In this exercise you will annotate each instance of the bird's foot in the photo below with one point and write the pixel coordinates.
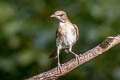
(77, 58)
(59, 68)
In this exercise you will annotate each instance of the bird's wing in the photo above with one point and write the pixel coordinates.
(54, 53)
(57, 33)
(77, 31)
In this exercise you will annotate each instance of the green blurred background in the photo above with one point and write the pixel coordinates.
(27, 37)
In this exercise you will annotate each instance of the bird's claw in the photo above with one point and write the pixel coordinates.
(59, 68)
(77, 58)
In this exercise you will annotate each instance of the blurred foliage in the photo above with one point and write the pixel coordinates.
(27, 37)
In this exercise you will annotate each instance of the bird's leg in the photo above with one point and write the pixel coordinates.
(76, 55)
(59, 65)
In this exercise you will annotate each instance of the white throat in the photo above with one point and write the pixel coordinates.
(61, 23)
(65, 24)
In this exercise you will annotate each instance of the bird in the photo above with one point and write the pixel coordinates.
(67, 34)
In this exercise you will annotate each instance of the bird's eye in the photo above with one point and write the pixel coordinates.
(61, 14)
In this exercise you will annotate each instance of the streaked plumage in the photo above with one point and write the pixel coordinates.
(66, 35)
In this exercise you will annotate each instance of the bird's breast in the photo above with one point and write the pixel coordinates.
(68, 34)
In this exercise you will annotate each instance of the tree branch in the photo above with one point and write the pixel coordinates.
(53, 74)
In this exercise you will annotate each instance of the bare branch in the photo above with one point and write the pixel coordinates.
(53, 74)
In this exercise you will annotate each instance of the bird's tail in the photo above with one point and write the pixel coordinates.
(54, 54)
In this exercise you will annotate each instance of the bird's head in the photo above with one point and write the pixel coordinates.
(60, 15)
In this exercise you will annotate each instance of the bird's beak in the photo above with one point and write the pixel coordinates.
(53, 15)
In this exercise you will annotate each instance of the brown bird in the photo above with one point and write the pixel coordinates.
(66, 35)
